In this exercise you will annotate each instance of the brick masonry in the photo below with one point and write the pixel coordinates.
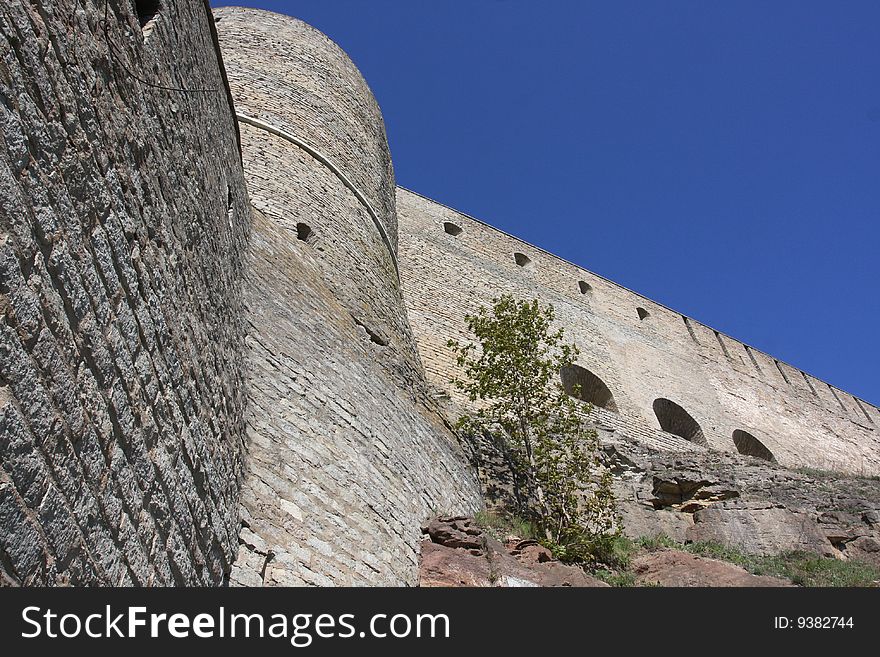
(215, 373)
(123, 223)
(348, 454)
(724, 385)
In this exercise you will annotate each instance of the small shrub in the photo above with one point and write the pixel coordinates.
(511, 374)
(656, 542)
(594, 551)
(615, 578)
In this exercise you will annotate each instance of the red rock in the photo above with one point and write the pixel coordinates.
(444, 566)
(677, 568)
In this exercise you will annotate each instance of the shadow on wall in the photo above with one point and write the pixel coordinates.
(582, 384)
(677, 421)
(747, 444)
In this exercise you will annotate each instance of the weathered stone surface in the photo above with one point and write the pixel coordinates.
(123, 231)
(760, 530)
(864, 548)
(640, 521)
(840, 527)
(729, 390)
(445, 566)
(347, 451)
(680, 569)
(460, 554)
(688, 495)
(771, 508)
(515, 565)
(529, 552)
(455, 532)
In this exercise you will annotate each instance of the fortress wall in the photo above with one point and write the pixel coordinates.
(803, 421)
(348, 454)
(293, 79)
(123, 223)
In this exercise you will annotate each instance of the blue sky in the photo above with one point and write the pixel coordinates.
(720, 158)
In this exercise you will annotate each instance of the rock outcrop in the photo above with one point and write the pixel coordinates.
(456, 552)
(744, 502)
(677, 568)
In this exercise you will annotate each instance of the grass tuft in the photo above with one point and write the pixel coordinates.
(502, 525)
(801, 568)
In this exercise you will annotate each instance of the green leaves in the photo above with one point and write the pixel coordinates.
(511, 374)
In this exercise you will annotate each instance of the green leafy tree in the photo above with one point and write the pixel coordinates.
(511, 375)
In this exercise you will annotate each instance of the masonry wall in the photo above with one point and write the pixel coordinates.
(123, 224)
(723, 384)
(348, 454)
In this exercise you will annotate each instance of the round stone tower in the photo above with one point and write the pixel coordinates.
(347, 453)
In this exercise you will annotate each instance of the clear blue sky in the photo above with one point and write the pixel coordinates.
(720, 158)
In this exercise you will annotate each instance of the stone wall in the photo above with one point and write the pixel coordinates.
(642, 351)
(164, 314)
(123, 226)
(348, 454)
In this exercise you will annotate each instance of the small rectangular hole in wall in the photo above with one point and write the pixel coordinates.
(752, 358)
(690, 329)
(723, 346)
(810, 383)
(782, 372)
(862, 409)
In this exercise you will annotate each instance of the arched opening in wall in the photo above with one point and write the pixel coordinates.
(146, 12)
(522, 260)
(585, 287)
(747, 444)
(305, 234)
(643, 314)
(452, 229)
(582, 384)
(677, 421)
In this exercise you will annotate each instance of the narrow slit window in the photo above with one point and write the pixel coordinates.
(585, 287)
(837, 397)
(862, 408)
(810, 384)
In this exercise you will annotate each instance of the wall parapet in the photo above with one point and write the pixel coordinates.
(640, 350)
(576, 269)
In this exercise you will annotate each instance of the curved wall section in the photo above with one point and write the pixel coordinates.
(348, 454)
(295, 87)
(123, 225)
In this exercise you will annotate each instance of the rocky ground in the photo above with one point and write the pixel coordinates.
(743, 506)
(755, 506)
(456, 552)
